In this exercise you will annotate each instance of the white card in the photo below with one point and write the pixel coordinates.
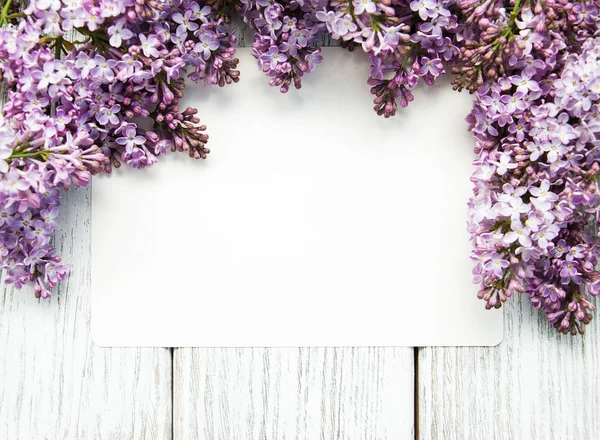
(313, 222)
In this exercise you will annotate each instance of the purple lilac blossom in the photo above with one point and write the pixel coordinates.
(66, 118)
(404, 40)
(536, 119)
(285, 33)
(534, 66)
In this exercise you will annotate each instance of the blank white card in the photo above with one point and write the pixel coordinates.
(313, 222)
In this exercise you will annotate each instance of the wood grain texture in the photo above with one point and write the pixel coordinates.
(54, 382)
(535, 385)
(291, 393)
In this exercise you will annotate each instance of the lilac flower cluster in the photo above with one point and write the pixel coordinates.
(73, 106)
(284, 36)
(536, 119)
(499, 37)
(405, 40)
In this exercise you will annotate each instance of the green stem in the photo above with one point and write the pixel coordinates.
(3, 17)
(409, 54)
(15, 15)
(506, 272)
(376, 21)
(350, 9)
(222, 12)
(22, 155)
(45, 40)
(58, 44)
(98, 40)
(513, 14)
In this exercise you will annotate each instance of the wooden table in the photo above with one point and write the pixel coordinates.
(56, 384)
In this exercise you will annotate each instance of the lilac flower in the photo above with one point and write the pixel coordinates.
(273, 57)
(525, 84)
(496, 264)
(313, 58)
(62, 119)
(510, 194)
(185, 21)
(13, 183)
(343, 25)
(543, 198)
(72, 19)
(536, 148)
(131, 139)
(519, 129)
(432, 67)
(403, 46)
(289, 24)
(554, 149)
(127, 67)
(423, 7)
(299, 37)
(515, 208)
(504, 164)
(46, 76)
(576, 252)
(149, 45)
(535, 72)
(200, 13)
(118, 32)
(540, 147)
(48, 216)
(568, 271)
(514, 102)
(518, 232)
(208, 43)
(108, 116)
(68, 118)
(361, 6)
(545, 235)
(534, 222)
(104, 68)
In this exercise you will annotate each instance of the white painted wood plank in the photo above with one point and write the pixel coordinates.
(293, 393)
(535, 385)
(54, 382)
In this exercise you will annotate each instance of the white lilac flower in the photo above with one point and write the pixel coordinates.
(543, 198)
(361, 6)
(118, 32)
(515, 208)
(518, 233)
(504, 164)
(510, 193)
(496, 264)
